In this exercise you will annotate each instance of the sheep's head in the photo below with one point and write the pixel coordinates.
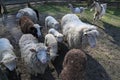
(59, 37)
(91, 34)
(38, 28)
(9, 61)
(41, 53)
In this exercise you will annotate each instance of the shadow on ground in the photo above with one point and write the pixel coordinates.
(95, 71)
(113, 31)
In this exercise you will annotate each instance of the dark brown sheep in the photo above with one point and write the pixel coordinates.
(27, 26)
(74, 65)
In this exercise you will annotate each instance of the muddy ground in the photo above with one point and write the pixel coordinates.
(103, 62)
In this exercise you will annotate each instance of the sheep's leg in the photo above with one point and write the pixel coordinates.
(95, 17)
(46, 25)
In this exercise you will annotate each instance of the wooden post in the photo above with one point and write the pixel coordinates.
(3, 6)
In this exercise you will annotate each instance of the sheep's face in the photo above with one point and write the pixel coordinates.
(41, 54)
(9, 61)
(91, 37)
(38, 28)
(59, 38)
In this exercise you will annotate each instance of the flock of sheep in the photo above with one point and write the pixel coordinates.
(37, 53)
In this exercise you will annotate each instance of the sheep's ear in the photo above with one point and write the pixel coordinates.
(33, 50)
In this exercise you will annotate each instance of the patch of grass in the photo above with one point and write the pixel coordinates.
(52, 9)
(112, 17)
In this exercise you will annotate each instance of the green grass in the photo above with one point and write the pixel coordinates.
(52, 9)
(112, 17)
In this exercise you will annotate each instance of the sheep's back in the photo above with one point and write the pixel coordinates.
(26, 39)
(69, 18)
(50, 39)
(74, 65)
(30, 13)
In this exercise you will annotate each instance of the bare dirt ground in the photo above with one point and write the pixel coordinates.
(103, 62)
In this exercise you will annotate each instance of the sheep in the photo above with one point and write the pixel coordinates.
(51, 22)
(7, 55)
(77, 10)
(34, 54)
(100, 10)
(74, 65)
(27, 26)
(51, 41)
(57, 35)
(32, 14)
(77, 33)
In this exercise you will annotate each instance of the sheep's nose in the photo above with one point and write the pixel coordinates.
(44, 61)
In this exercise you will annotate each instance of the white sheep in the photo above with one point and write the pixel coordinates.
(7, 56)
(51, 22)
(57, 35)
(34, 54)
(100, 10)
(51, 41)
(27, 12)
(79, 34)
(77, 10)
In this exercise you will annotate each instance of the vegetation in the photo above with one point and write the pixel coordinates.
(104, 60)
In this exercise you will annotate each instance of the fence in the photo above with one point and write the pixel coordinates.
(10, 2)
